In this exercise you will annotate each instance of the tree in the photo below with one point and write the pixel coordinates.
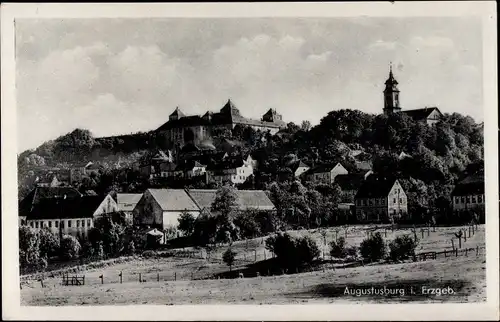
(402, 247)
(29, 247)
(247, 224)
(70, 247)
(225, 201)
(306, 125)
(186, 223)
(373, 248)
(229, 257)
(49, 243)
(337, 248)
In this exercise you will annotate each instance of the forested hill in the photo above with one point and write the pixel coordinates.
(438, 153)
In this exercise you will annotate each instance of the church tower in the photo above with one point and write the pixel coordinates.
(391, 95)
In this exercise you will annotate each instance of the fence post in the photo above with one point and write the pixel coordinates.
(452, 244)
(157, 277)
(102, 278)
(466, 252)
(477, 250)
(445, 253)
(255, 255)
(465, 235)
(41, 282)
(121, 274)
(140, 278)
(175, 276)
(422, 231)
(192, 275)
(428, 231)
(83, 280)
(456, 252)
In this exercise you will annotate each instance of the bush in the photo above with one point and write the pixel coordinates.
(29, 247)
(49, 243)
(373, 248)
(186, 223)
(228, 257)
(70, 247)
(337, 248)
(292, 252)
(403, 247)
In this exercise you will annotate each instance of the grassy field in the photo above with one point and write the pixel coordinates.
(170, 280)
(438, 240)
(465, 275)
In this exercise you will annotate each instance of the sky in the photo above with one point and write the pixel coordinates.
(118, 76)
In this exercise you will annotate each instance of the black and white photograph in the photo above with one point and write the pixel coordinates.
(307, 159)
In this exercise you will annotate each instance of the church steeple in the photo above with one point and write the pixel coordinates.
(391, 94)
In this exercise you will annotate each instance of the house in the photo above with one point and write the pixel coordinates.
(233, 169)
(380, 199)
(70, 216)
(191, 169)
(298, 168)
(181, 128)
(151, 163)
(468, 195)
(325, 173)
(349, 185)
(247, 199)
(126, 203)
(161, 208)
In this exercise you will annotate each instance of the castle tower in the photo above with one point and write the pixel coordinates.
(391, 95)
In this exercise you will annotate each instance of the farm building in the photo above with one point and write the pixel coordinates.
(161, 208)
(71, 216)
(247, 199)
(468, 195)
(380, 200)
(325, 173)
(127, 202)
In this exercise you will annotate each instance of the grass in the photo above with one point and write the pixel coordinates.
(170, 280)
(466, 275)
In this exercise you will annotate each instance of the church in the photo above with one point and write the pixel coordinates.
(430, 115)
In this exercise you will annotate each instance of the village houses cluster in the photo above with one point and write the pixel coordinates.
(53, 203)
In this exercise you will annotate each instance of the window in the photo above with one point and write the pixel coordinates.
(468, 199)
(50, 224)
(400, 200)
(473, 199)
(36, 224)
(394, 201)
(56, 224)
(69, 223)
(463, 199)
(78, 223)
(376, 202)
(88, 223)
(457, 200)
(479, 199)
(31, 224)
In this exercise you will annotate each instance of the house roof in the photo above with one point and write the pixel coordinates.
(188, 165)
(468, 188)
(44, 192)
(127, 201)
(298, 164)
(230, 162)
(247, 199)
(173, 199)
(352, 181)
(421, 113)
(375, 187)
(322, 168)
(83, 207)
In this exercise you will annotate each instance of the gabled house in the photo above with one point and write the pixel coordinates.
(298, 168)
(380, 199)
(233, 169)
(325, 173)
(468, 194)
(71, 216)
(126, 203)
(349, 185)
(247, 199)
(191, 169)
(161, 208)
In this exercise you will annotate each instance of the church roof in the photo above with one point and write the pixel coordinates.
(421, 113)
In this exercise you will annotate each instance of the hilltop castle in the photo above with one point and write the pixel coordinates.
(180, 128)
(430, 115)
